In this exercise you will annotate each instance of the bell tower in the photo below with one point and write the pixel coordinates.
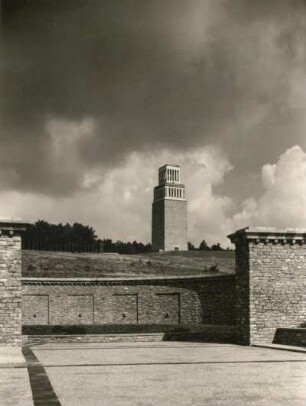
(169, 211)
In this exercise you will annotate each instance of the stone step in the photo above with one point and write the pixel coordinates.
(92, 338)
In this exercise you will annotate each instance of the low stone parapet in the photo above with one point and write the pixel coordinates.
(101, 334)
(290, 336)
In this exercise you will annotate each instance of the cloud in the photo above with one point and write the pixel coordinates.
(95, 95)
(66, 140)
(150, 75)
(119, 206)
(268, 175)
(284, 200)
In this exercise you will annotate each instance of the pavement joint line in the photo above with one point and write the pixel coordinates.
(12, 365)
(121, 348)
(174, 363)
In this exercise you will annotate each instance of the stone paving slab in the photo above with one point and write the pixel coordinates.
(168, 374)
(15, 389)
(10, 355)
(148, 353)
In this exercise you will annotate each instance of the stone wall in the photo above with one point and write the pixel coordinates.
(40, 334)
(267, 293)
(137, 301)
(10, 283)
(270, 282)
(242, 288)
(217, 301)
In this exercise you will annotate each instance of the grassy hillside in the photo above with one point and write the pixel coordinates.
(63, 264)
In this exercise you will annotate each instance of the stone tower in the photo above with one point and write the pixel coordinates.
(169, 211)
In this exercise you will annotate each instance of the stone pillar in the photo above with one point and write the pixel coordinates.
(270, 282)
(10, 282)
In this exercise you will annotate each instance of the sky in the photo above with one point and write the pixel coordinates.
(97, 94)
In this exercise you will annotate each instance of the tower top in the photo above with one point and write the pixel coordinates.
(169, 174)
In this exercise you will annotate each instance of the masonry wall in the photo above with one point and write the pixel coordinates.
(270, 282)
(242, 288)
(267, 293)
(277, 288)
(10, 289)
(217, 299)
(171, 301)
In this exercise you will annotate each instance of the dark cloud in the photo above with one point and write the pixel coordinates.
(151, 74)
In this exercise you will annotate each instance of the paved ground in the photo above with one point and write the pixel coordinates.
(145, 374)
(15, 387)
(170, 373)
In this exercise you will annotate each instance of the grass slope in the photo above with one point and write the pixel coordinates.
(63, 264)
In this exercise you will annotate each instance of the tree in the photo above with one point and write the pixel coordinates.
(203, 246)
(216, 247)
(190, 246)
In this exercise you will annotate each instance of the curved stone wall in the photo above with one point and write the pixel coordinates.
(138, 301)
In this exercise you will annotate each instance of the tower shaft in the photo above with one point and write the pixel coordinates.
(169, 211)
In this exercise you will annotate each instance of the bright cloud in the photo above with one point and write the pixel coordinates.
(283, 204)
(119, 206)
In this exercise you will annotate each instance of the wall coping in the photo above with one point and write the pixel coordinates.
(118, 281)
(12, 227)
(270, 234)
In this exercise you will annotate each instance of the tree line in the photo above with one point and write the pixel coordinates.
(79, 238)
(75, 238)
(204, 247)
